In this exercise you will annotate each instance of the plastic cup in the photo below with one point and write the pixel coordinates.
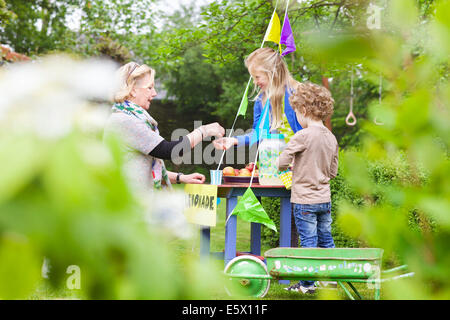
(216, 177)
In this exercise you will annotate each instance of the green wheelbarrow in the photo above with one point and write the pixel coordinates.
(250, 276)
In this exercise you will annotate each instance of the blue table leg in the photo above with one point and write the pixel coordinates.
(255, 236)
(255, 239)
(285, 222)
(285, 227)
(230, 231)
(205, 240)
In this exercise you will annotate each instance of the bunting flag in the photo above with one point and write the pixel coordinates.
(287, 37)
(244, 101)
(273, 31)
(263, 124)
(250, 209)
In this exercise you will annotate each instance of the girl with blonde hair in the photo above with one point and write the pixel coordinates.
(274, 82)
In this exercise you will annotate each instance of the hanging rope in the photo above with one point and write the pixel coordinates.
(380, 87)
(287, 7)
(229, 136)
(351, 119)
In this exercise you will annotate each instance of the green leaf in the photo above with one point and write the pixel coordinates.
(19, 267)
(21, 158)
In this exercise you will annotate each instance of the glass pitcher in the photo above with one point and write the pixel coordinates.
(269, 151)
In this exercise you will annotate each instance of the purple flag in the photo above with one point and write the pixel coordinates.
(287, 37)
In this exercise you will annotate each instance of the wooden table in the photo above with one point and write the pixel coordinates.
(231, 192)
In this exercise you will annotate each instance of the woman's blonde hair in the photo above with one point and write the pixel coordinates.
(270, 62)
(128, 75)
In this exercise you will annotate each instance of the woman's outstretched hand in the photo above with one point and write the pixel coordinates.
(193, 178)
(213, 129)
(224, 143)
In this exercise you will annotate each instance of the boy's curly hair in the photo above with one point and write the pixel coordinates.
(313, 100)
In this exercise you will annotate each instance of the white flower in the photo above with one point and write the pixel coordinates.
(45, 97)
(166, 210)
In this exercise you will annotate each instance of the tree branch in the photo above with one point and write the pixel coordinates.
(336, 17)
(320, 4)
(229, 29)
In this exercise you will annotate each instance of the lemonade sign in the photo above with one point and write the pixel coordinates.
(201, 204)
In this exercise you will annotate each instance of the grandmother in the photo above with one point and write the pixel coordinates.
(144, 148)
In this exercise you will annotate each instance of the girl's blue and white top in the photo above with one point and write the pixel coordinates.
(257, 111)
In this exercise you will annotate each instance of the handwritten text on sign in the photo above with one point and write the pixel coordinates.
(201, 204)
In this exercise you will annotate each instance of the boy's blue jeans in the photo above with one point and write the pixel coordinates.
(313, 223)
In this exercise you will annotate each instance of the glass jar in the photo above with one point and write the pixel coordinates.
(270, 149)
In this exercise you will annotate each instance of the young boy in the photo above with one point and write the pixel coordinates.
(314, 152)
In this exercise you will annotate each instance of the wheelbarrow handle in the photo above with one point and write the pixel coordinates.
(399, 268)
(406, 275)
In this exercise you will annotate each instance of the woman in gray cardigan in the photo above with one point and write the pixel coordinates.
(144, 148)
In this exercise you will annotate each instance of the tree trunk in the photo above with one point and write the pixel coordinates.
(326, 84)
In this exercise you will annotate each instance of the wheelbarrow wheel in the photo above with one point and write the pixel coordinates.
(246, 265)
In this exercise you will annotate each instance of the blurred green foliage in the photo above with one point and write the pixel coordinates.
(64, 197)
(5, 14)
(413, 110)
(73, 210)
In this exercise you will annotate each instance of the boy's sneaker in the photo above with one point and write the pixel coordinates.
(299, 288)
(294, 287)
(326, 284)
(308, 290)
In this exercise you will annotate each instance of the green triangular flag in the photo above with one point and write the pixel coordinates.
(244, 102)
(249, 209)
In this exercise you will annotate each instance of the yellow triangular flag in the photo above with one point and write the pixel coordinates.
(273, 32)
